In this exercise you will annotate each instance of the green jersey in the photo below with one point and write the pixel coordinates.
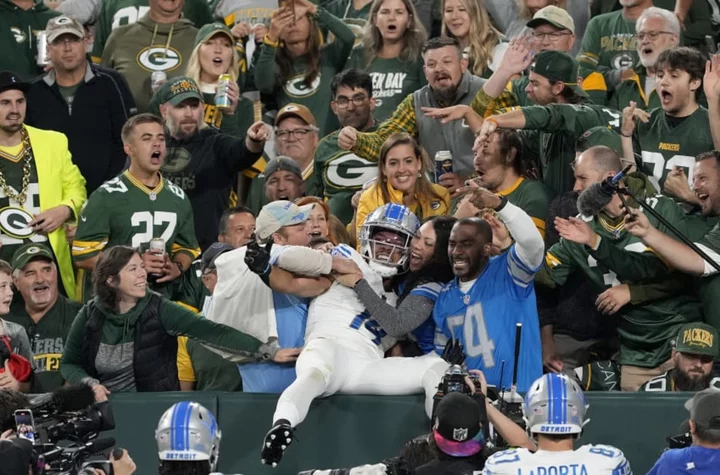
(558, 127)
(533, 197)
(341, 173)
(356, 20)
(608, 46)
(16, 210)
(645, 330)
(116, 13)
(666, 383)
(47, 340)
(392, 81)
(123, 211)
(190, 291)
(666, 142)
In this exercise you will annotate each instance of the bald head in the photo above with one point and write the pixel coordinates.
(594, 165)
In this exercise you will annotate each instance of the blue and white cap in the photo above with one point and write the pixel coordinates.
(188, 432)
(279, 214)
(555, 404)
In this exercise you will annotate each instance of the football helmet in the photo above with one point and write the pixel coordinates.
(382, 255)
(555, 404)
(188, 432)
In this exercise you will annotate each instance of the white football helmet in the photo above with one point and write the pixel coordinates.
(390, 217)
(555, 404)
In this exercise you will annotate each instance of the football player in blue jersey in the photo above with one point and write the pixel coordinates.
(491, 295)
(554, 410)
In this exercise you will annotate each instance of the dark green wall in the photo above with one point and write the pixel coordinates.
(349, 430)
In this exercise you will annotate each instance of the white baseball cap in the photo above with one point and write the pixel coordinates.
(279, 214)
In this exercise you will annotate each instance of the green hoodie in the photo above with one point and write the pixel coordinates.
(18, 31)
(144, 47)
(114, 360)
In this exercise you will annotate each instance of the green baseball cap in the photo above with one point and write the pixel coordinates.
(600, 135)
(178, 89)
(28, 252)
(212, 29)
(558, 66)
(697, 339)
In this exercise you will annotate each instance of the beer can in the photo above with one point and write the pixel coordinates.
(42, 50)
(157, 79)
(222, 99)
(443, 164)
(157, 246)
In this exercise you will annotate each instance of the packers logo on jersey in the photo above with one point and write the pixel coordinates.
(176, 160)
(349, 171)
(158, 58)
(19, 35)
(14, 222)
(623, 60)
(296, 87)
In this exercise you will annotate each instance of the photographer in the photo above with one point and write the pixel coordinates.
(703, 457)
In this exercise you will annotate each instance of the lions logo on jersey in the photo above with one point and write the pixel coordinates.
(159, 58)
(296, 86)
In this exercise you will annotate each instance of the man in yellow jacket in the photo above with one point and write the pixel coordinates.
(40, 187)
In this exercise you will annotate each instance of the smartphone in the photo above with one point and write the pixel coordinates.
(288, 4)
(25, 424)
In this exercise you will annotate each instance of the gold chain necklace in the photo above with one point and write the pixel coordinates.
(27, 156)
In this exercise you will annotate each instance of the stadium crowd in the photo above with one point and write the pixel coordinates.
(328, 196)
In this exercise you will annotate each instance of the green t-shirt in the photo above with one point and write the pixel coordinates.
(14, 216)
(116, 13)
(392, 81)
(341, 173)
(47, 340)
(663, 147)
(645, 330)
(68, 93)
(608, 46)
(123, 211)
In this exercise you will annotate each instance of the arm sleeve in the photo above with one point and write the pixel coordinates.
(562, 117)
(396, 322)
(74, 193)
(339, 50)
(234, 153)
(186, 372)
(558, 266)
(529, 247)
(84, 11)
(122, 106)
(264, 69)
(486, 106)
(182, 322)
(678, 284)
(304, 261)
(185, 240)
(71, 364)
(629, 266)
(368, 144)
(93, 229)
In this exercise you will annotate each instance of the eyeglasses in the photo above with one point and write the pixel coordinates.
(297, 133)
(652, 35)
(67, 41)
(344, 102)
(554, 36)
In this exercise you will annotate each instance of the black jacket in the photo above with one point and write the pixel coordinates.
(101, 105)
(205, 167)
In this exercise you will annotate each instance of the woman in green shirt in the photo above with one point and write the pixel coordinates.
(125, 339)
(295, 66)
(391, 54)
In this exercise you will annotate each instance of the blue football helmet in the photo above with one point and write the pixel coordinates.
(188, 432)
(555, 404)
(382, 256)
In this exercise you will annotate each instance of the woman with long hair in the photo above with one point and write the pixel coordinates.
(320, 223)
(295, 66)
(125, 339)
(468, 22)
(392, 43)
(402, 178)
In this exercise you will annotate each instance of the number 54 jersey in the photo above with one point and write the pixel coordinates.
(123, 211)
(586, 460)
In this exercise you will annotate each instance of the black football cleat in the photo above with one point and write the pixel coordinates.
(276, 441)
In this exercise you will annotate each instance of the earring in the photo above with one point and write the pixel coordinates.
(419, 175)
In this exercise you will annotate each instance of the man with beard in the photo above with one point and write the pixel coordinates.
(339, 172)
(657, 30)
(40, 188)
(200, 160)
(136, 207)
(449, 84)
(695, 351)
(668, 138)
(45, 315)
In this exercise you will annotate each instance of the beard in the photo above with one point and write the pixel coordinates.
(685, 382)
(176, 130)
(445, 97)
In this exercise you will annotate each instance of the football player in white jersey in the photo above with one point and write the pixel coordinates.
(344, 347)
(554, 410)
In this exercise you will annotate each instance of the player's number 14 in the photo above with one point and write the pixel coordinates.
(475, 334)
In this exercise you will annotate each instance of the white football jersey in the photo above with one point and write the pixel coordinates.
(586, 460)
(339, 314)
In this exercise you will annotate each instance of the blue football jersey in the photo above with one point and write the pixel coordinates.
(484, 321)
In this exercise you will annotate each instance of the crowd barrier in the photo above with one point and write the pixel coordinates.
(343, 431)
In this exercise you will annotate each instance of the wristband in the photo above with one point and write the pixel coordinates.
(503, 203)
(493, 120)
(268, 41)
